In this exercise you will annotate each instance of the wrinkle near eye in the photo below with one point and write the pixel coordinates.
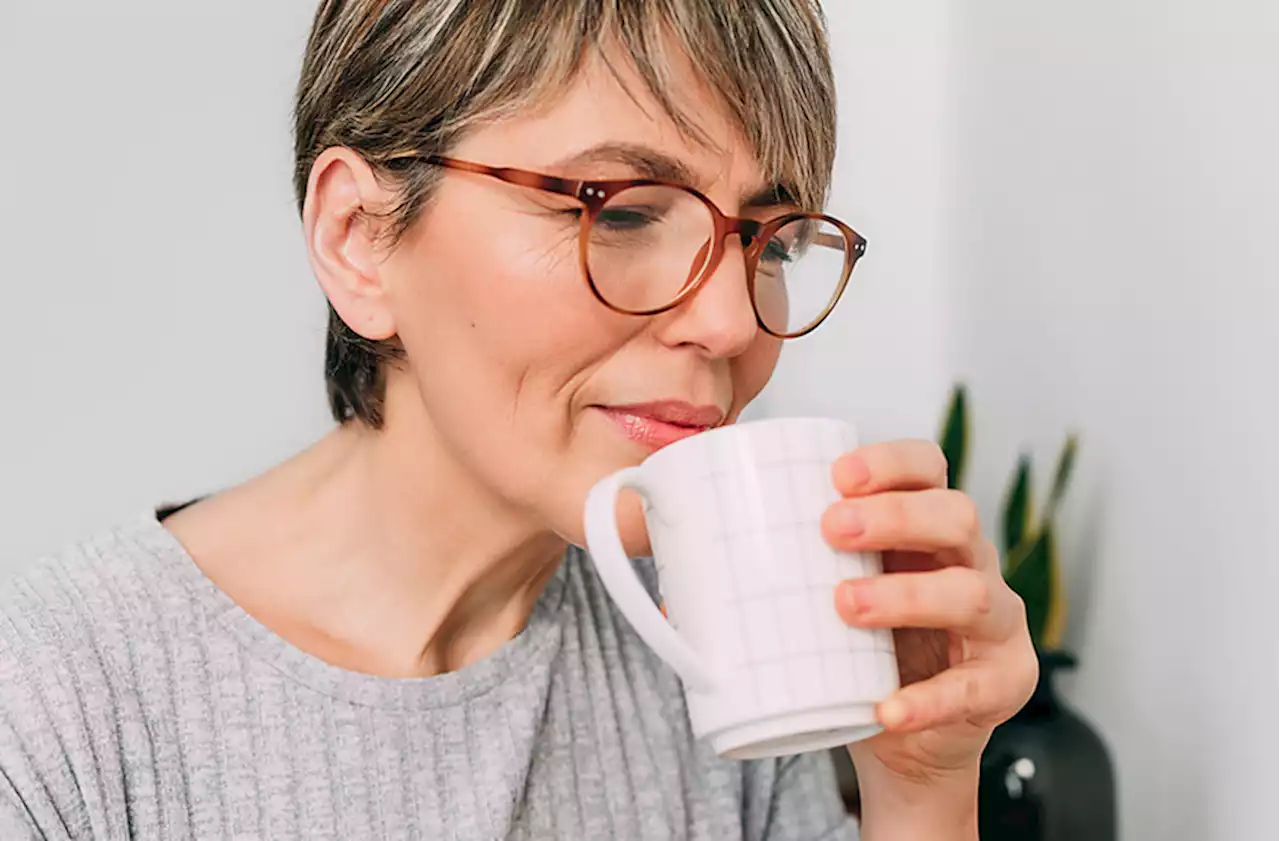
(553, 253)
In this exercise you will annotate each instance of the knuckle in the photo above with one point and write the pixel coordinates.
(1031, 676)
(1019, 605)
(980, 594)
(968, 523)
(1022, 685)
(971, 697)
(938, 469)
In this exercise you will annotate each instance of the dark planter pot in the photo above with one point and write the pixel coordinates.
(1046, 775)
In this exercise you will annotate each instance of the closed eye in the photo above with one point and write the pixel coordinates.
(626, 218)
(776, 251)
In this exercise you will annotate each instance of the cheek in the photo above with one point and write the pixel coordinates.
(491, 308)
(457, 279)
(753, 369)
(498, 337)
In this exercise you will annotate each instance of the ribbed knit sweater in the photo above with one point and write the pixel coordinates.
(138, 701)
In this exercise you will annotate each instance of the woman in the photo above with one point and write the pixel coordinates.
(393, 634)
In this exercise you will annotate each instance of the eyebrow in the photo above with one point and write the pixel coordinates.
(649, 163)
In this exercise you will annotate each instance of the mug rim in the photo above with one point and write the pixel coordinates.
(736, 426)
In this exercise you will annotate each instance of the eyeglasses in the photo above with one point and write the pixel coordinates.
(646, 246)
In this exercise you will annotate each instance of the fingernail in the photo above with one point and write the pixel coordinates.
(849, 521)
(855, 597)
(856, 473)
(893, 713)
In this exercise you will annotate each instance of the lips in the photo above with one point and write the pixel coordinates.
(656, 425)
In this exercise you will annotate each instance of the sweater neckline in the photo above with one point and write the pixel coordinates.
(532, 644)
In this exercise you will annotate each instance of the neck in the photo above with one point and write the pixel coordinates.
(379, 552)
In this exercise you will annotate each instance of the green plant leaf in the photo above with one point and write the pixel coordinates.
(1033, 579)
(954, 437)
(1015, 522)
(1055, 620)
(1061, 476)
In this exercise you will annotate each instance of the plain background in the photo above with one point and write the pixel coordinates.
(1073, 209)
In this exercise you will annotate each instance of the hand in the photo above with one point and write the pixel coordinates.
(964, 652)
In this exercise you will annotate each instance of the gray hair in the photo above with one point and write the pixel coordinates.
(383, 76)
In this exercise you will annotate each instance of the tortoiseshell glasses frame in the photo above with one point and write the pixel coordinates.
(753, 234)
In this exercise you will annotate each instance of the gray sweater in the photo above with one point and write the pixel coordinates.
(138, 701)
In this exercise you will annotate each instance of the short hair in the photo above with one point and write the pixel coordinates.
(384, 76)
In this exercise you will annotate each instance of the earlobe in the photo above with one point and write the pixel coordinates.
(342, 244)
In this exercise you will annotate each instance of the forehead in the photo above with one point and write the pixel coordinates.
(607, 107)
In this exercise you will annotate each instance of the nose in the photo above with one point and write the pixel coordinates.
(718, 318)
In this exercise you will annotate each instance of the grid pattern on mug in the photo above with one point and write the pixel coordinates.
(793, 644)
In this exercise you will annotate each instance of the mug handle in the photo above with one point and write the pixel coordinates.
(619, 578)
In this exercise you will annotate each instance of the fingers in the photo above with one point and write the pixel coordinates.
(957, 599)
(921, 521)
(981, 693)
(892, 465)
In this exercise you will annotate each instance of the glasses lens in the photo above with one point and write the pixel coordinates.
(800, 274)
(646, 245)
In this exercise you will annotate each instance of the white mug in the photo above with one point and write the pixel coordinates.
(748, 586)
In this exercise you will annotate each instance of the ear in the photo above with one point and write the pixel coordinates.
(342, 242)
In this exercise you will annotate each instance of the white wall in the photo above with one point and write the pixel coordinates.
(1113, 267)
(162, 333)
(877, 359)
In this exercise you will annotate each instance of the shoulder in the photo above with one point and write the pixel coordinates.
(93, 639)
(76, 624)
(74, 628)
(82, 593)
